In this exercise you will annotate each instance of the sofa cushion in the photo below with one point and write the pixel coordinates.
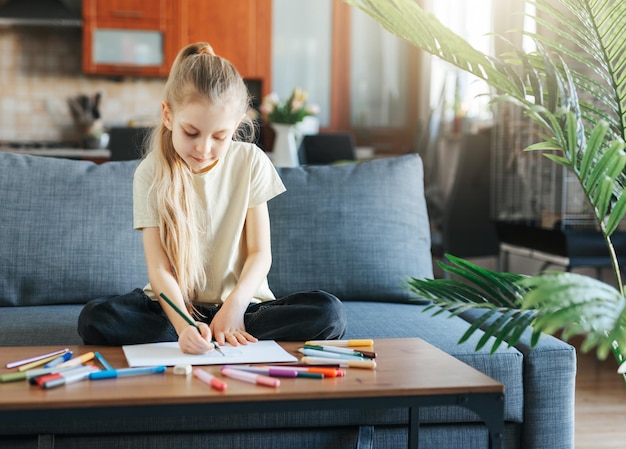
(67, 231)
(53, 325)
(355, 230)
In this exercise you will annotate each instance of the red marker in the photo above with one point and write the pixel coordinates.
(68, 377)
(209, 379)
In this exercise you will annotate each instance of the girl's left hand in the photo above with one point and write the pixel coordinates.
(227, 325)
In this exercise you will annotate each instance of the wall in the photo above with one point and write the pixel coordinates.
(40, 68)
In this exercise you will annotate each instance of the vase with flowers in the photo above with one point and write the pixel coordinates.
(283, 117)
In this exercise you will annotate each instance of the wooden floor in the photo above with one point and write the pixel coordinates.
(600, 404)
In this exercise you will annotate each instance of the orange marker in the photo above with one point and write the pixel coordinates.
(78, 360)
(326, 372)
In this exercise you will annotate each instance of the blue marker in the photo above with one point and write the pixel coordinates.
(114, 373)
(103, 361)
(60, 359)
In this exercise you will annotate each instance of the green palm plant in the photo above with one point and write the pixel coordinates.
(582, 115)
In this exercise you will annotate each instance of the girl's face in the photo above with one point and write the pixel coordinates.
(201, 132)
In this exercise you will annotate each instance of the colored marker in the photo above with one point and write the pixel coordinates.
(252, 378)
(78, 360)
(36, 358)
(188, 320)
(367, 364)
(209, 379)
(36, 363)
(266, 371)
(12, 377)
(280, 371)
(361, 342)
(325, 371)
(340, 350)
(328, 355)
(310, 375)
(33, 375)
(60, 359)
(28, 375)
(73, 375)
(103, 361)
(123, 372)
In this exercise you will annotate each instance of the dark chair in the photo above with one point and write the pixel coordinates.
(327, 148)
(467, 228)
(126, 143)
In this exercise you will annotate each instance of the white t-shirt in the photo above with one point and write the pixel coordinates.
(243, 178)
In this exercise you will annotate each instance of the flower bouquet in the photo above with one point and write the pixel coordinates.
(291, 111)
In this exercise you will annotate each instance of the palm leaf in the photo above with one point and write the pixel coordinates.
(584, 133)
(507, 325)
(498, 294)
(581, 305)
(499, 287)
(589, 34)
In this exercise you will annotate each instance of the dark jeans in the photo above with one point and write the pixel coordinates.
(134, 318)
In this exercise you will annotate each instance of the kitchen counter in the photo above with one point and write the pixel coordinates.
(70, 153)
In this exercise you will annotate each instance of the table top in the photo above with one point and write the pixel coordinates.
(405, 367)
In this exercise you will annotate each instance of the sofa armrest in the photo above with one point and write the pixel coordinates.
(549, 389)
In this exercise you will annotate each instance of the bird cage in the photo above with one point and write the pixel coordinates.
(537, 203)
(528, 187)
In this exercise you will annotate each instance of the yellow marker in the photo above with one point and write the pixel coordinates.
(40, 362)
(360, 342)
(78, 360)
(343, 363)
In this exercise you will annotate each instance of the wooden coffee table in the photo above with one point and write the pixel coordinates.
(410, 374)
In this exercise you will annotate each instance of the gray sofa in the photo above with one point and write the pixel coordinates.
(355, 230)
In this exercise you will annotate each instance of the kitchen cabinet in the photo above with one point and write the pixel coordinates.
(239, 30)
(122, 37)
(129, 37)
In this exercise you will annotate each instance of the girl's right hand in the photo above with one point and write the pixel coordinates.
(192, 342)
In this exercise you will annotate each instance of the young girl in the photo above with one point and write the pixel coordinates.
(200, 201)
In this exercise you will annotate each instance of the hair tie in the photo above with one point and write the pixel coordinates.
(202, 48)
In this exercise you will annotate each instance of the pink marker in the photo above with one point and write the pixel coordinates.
(209, 379)
(267, 371)
(252, 378)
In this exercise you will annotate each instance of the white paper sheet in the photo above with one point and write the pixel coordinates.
(169, 354)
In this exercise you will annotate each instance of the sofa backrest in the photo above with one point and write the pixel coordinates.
(66, 233)
(355, 230)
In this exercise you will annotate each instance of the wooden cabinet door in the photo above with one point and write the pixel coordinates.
(239, 30)
(132, 12)
(129, 20)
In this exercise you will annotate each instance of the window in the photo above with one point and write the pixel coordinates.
(379, 75)
(463, 94)
(362, 77)
(301, 51)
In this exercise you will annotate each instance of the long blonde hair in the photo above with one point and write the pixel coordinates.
(196, 73)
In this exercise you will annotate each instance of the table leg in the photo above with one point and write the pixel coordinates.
(490, 408)
(414, 426)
